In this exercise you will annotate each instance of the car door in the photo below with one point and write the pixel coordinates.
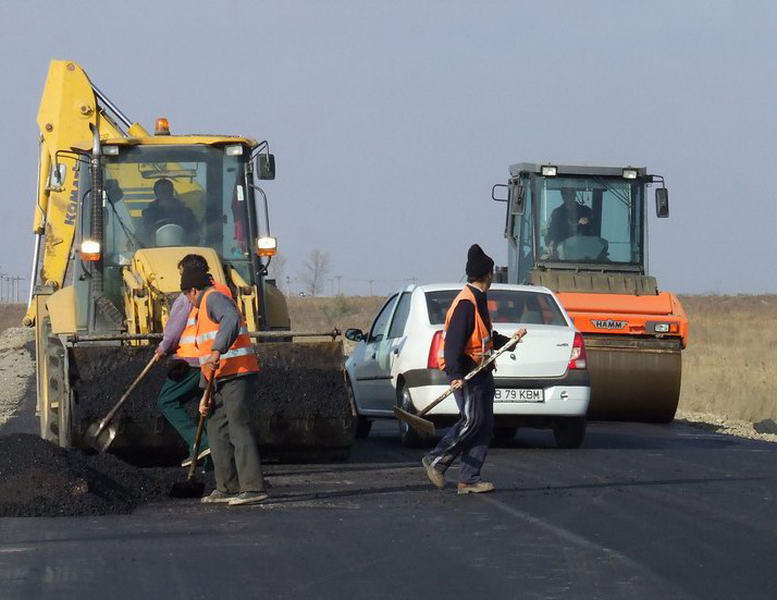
(368, 376)
(386, 353)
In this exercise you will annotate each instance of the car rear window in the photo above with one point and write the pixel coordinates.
(505, 306)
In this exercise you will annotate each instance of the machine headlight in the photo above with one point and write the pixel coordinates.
(111, 150)
(235, 150)
(662, 327)
(266, 246)
(90, 251)
(549, 170)
(629, 173)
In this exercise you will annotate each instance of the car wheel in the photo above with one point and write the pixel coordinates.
(569, 432)
(361, 425)
(408, 436)
(504, 434)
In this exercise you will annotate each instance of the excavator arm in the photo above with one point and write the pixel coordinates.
(68, 112)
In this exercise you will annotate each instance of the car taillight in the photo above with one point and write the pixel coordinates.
(434, 350)
(578, 358)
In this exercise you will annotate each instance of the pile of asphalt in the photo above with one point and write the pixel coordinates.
(40, 479)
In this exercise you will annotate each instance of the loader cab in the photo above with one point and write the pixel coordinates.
(576, 219)
(171, 195)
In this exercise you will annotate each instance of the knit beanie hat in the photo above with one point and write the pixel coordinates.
(194, 277)
(479, 264)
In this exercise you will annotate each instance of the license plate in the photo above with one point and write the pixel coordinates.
(515, 395)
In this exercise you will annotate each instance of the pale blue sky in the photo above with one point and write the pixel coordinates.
(390, 121)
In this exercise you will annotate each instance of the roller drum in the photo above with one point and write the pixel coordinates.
(634, 379)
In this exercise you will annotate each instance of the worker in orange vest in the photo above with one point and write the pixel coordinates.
(469, 339)
(227, 354)
(182, 384)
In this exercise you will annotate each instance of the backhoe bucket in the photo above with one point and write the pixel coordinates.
(301, 408)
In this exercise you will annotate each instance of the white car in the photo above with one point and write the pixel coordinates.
(544, 382)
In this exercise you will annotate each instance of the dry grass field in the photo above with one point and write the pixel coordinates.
(324, 313)
(727, 367)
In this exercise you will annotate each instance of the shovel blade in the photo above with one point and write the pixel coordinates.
(420, 424)
(191, 488)
(98, 439)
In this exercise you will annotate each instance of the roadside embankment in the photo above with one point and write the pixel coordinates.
(17, 369)
(728, 374)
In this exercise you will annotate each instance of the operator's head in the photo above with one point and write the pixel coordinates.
(195, 261)
(164, 190)
(569, 195)
(480, 266)
(194, 279)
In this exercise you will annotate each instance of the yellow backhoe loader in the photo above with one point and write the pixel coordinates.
(105, 275)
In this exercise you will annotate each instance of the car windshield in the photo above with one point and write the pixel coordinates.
(589, 219)
(174, 196)
(504, 306)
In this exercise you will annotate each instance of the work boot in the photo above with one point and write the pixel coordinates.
(247, 498)
(479, 487)
(217, 496)
(187, 462)
(435, 476)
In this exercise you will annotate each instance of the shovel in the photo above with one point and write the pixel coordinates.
(193, 488)
(426, 427)
(100, 434)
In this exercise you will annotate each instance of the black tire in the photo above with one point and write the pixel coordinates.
(569, 432)
(363, 427)
(504, 434)
(408, 436)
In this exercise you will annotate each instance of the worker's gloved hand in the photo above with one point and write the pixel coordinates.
(457, 383)
(205, 403)
(213, 361)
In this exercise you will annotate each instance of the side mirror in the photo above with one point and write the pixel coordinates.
(498, 198)
(265, 166)
(355, 335)
(662, 202)
(517, 197)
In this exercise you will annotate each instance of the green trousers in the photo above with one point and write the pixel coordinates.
(173, 397)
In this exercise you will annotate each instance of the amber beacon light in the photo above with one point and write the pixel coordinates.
(162, 126)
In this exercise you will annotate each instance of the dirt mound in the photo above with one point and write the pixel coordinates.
(38, 478)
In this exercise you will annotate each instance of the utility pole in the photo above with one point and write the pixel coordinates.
(371, 280)
(288, 285)
(339, 288)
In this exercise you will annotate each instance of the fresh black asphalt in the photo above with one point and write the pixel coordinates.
(641, 511)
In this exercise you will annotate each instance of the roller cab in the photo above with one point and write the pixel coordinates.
(582, 232)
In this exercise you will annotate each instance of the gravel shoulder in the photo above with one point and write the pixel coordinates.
(765, 430)
(17, 370)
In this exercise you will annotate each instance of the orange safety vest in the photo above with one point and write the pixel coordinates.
(187, 344)
(240, 358)
(480, 342)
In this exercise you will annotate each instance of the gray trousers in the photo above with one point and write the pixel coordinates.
(470, 436)
(233, 444)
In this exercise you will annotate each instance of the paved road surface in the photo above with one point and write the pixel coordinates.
(641, 511)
